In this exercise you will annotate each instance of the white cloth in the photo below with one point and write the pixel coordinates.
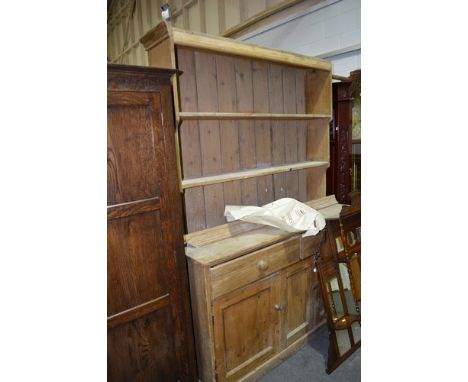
(287, 214)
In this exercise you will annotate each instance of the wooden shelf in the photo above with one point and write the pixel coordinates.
(237, 105)
(201, 115)
(206, 180)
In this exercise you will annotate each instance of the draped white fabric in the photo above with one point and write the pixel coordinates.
(287, 214)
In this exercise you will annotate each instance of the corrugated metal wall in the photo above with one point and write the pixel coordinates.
(128, 20)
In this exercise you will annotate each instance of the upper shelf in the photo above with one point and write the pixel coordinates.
(200, 115)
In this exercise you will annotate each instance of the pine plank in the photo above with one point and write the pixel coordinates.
(229, 131)
(214, 205)
(301, 132)
(207, 99)
(318, 100)
(318, 91)
(275, 88)
(290, 131)
(190, 141)
(262, 131)
(244, 97)
(195, 209)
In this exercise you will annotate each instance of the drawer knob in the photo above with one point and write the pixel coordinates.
(278, 307)
(262, 265)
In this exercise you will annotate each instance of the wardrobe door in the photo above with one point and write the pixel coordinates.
(149, 328)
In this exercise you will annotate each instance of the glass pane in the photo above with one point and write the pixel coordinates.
(342, 339)
(339, 244)
(348, 292)
(344, 276)
(350, 238)
(334, 299)
(356, 329)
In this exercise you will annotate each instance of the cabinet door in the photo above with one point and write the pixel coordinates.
(148, 325)
(246, 327)
(299, 280)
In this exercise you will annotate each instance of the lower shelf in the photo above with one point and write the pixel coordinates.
(245, 174)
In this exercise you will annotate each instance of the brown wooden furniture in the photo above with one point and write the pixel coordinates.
(339, 274)
(255, 297)
(350, 237)
(252, 127)
(252, 122)
(339, 173)
(149, 325)
(355, 91)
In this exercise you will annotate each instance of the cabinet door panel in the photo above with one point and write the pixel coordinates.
(132, 149)
(246, 328)
(135, 258)
(143, 349)
(299, 280)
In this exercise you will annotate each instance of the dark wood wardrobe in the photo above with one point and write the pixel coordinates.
(150, 335)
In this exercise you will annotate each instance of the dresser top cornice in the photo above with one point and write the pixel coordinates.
(180, 37)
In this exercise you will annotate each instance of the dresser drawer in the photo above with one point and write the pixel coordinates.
(249, 268)
(311, 245)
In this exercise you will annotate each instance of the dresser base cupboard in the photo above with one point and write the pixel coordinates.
(255, 298)
(149, 327)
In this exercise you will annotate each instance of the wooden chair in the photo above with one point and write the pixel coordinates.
(350, 235)
(338, 266)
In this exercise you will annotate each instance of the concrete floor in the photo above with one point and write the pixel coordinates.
(309, 364)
